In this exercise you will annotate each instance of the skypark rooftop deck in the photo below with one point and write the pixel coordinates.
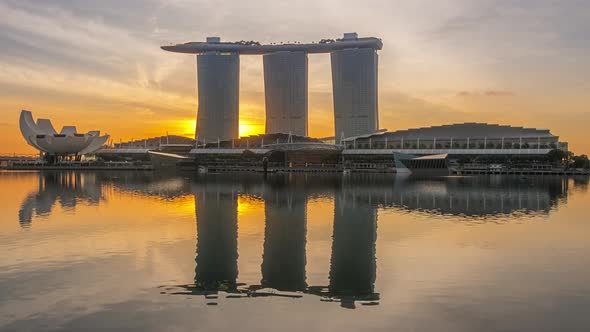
(254, 48)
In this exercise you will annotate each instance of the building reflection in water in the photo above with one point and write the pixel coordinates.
(478, 196)
(69, 188)
(486, 196)
(352, 266)
(357, 200)
(283, 263)
(217, 240)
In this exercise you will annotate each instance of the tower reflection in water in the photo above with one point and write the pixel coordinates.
(283, 262)
(353, 265)
(217, 240)
(357, 200)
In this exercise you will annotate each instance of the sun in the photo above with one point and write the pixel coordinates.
(248, 128)
(188, 127)
(184, 127)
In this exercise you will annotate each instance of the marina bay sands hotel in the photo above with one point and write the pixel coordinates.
(354, 81)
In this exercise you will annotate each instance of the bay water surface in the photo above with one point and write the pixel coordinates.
(136, 251)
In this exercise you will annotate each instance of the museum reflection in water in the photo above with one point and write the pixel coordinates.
(357, 200)
(69, 188)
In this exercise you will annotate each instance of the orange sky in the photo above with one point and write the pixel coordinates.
(99, 66)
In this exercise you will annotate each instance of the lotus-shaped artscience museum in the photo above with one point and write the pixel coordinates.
(42, 136)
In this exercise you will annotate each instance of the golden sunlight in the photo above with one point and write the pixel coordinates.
(248, 128)
(247, 204)
(188, 127)
(184, 127)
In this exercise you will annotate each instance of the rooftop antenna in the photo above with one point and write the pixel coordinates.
(167, 141)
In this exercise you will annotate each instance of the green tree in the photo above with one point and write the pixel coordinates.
(557, 155)
(580, 161)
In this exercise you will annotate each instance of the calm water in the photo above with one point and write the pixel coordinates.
(223, 252)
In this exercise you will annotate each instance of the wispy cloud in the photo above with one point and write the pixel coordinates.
(494, 93)
(486, 93)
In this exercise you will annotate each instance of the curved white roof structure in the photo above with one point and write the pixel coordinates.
(43, 136)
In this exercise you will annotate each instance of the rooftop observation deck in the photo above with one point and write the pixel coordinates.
(253, 48)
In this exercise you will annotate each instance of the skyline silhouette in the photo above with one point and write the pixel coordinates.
(460, 61)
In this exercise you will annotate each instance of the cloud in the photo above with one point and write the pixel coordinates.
(401, 111)
(60, 39)
(486, 93)
(514, 27)
(493, 93)
(145, 112)
(103, 58)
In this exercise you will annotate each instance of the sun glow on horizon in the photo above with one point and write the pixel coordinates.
(188, 127)
(248, 128)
